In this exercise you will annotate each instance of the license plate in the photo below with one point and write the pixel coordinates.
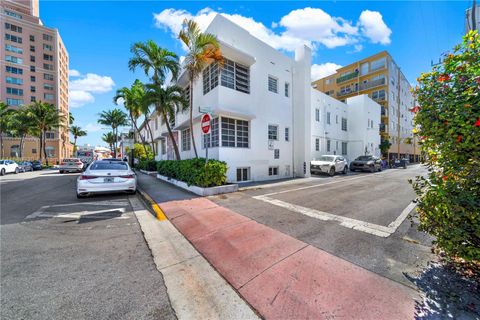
(108, 180)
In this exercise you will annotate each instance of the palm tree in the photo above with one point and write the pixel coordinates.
(77, 132)
(5, 118)
(45, 117)
(156, 63)
(114, 118)
(22, 125)
(109, 138)
(71, 119)
(203, 48)
(167, 102)
(132, 100)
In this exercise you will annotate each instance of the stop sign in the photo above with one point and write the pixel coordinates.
(205, 123)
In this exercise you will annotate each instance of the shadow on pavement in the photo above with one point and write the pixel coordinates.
(447, 294)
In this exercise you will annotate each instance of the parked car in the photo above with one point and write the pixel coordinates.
(25, 166)
(8, 166)
(71, 165)
(329, 164)
(106, 177)
(37, 165)
(366, 163)
(399, 163)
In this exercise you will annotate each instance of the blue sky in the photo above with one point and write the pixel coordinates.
(98, 36)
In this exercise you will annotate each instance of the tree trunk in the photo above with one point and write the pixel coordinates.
(170, 133)
(45, 148)
(22, 142)
(151, 138)
(191, 119)
(134, 135)
(114, 132)
(40, 149)
(1, 143)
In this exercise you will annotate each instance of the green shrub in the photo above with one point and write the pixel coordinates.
(139, 151)
(148, 165)
(195, 171)
(448, 123)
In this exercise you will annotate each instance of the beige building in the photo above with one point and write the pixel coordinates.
(381, 78)
(33, 67)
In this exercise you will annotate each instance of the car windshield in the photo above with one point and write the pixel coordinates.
(107, 165)
(2, 161)
(326, 158)
(364, 158)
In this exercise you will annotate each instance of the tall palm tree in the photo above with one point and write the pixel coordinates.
(156, 63)
(167, 101)
(203, 49)
(114, 118)
(77, 132)
(132, 100)
(71, 119)
(22, 124)
(109, 138)
(45, 117)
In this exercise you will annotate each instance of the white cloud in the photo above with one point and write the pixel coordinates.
(82, 88)
(374, 28)
(311, 26)
(323, 70)
(73, 73)
(79, 98)
(92, 127)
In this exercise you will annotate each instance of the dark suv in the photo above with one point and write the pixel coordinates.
(366, 163)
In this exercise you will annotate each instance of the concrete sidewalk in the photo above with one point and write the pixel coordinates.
(280, 276)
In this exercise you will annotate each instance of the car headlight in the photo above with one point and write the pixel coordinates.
(370, 163)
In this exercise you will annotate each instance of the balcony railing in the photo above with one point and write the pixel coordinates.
(376, 68)
(347, 77)
(346, 92)
(383, 112)
(371, 84)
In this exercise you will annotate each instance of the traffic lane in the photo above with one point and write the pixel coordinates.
(23, 194)
(377, 199)
(77, 259)
(404, 252)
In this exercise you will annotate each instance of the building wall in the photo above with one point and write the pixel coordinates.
(44, 65)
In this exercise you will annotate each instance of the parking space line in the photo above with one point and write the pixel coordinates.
(367, 227)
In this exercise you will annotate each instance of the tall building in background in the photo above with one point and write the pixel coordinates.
(34, 67)
(381, 78)
(469, 21)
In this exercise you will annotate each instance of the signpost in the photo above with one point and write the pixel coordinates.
(205, 125)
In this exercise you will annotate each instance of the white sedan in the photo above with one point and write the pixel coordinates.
(106, 177)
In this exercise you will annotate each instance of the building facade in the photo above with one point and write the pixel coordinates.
(379, 77)
(33, 67)
(469, 19)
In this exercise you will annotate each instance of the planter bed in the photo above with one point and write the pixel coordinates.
(150, 173)
(204, 192)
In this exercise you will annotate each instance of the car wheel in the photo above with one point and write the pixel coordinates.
(352, 170)
(345, 169)
(17, 170)
(380, 169)
(132, 192)
(331, 173)
(60, 171)
(2, 172)
(80, 196)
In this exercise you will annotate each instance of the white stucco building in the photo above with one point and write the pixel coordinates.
(264, 113)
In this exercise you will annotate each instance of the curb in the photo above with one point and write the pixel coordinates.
(159, 214)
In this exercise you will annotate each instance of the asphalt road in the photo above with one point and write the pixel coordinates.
(64, 258)
(342, 215)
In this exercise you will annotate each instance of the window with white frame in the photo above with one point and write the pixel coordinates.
(272, 132)
(272, 84)
(328, 117)
(317, 144)
(287, 89)
(344, 124)
(328, 145)
(273, 171)
(235, 133)
(164, 146)
(210, 78)
(186, 139)
(344, 148)
(211, 140)
(317, 115)
(276, 154)
(243, 174)
(235, 76)
(287, 134)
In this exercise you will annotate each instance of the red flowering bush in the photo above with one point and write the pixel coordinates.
(448, 120)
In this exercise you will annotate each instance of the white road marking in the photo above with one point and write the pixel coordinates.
(371, 228)
(41, 213)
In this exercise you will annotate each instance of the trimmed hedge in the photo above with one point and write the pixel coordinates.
(149, 165)
(195, 171)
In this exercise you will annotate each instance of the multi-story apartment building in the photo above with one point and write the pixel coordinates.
(379, 77)
(264, 113)
(33, 67)
(469, 19)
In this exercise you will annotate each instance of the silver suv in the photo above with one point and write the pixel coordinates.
(329, 164)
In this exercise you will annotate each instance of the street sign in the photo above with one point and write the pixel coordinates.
(204, 109)
(206, 123)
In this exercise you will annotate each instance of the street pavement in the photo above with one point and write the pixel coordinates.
(64, 258)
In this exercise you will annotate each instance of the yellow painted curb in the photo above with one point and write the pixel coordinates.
(155, 207)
